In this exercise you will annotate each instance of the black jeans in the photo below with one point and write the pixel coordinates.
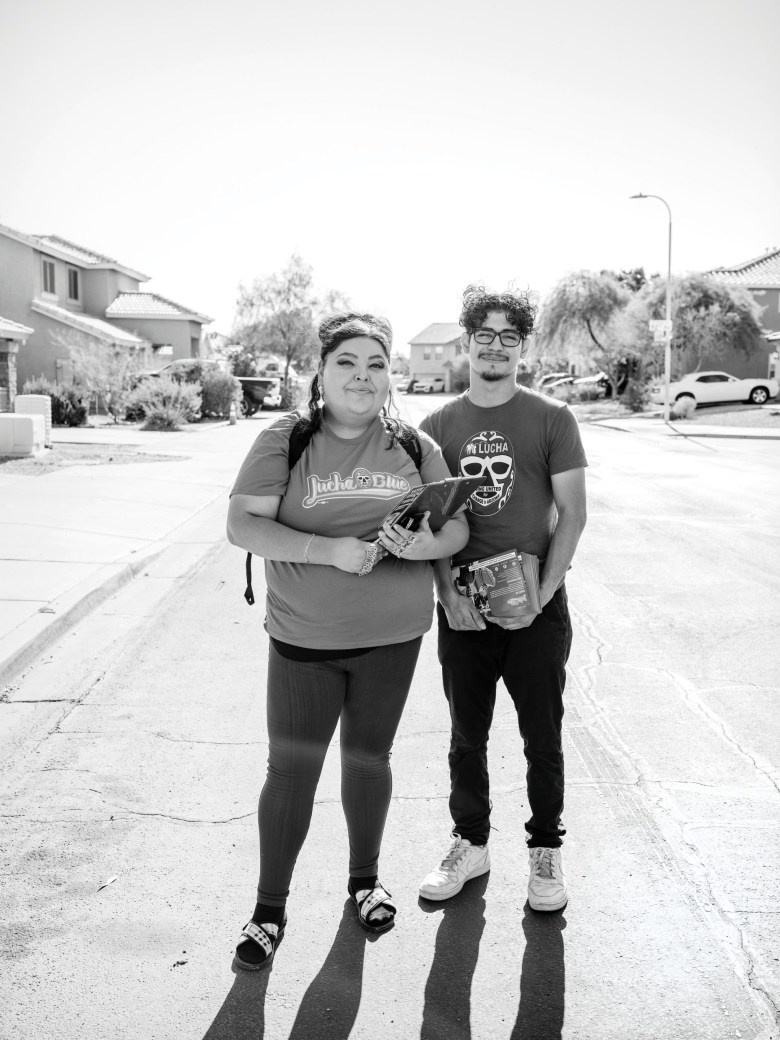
(532, 663)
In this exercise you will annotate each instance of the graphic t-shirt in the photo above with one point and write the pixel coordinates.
(517, 446)
(341, 487)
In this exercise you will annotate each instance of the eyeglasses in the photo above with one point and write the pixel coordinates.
(508, 338)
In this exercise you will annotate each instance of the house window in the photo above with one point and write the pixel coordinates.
(426, 353)
(439, 353)
(73, 283)
(48, 276)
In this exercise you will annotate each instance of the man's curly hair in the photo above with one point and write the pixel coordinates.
(478, 302)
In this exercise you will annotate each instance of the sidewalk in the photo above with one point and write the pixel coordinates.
(70, 538)
(652, 422)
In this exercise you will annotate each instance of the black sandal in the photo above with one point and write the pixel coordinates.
(267, 936)
(368, 902)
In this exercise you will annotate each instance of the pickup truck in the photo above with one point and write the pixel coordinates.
(429, 385)
(259, 392)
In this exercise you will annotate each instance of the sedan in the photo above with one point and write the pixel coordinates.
(717, 388)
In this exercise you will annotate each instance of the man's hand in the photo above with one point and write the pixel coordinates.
(512, 623)
(462, 615)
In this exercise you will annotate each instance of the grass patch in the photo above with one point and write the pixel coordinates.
(62, 455)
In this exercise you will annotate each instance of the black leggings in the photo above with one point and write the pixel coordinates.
(306, 699)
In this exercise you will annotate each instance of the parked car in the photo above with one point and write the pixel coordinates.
(717, 388)
(432, 385)
(259, 392)
(551, 377)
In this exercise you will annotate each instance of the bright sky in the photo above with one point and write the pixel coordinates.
(402, 148)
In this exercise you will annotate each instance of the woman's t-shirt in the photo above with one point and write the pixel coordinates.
(341, 487)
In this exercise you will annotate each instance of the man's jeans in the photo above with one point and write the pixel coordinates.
(532, 663)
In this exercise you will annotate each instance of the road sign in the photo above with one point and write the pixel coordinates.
(659, 327)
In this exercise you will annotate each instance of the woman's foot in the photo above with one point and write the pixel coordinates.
(375, 911)
(260, 938)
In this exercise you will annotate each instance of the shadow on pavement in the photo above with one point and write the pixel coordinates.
(242, 1016)
(330, 1004)
(447, 1010)
(543, 978)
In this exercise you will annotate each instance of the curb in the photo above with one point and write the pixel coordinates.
(35, 635)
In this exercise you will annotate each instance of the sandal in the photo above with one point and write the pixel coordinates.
(267, 936)
(367, 902)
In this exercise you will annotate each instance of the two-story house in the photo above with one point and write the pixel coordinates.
(761, 277)
(67, 294)
(433, 351)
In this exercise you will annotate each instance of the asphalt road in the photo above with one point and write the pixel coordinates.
(147, 778)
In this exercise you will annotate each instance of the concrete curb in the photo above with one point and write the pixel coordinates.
(24, 644)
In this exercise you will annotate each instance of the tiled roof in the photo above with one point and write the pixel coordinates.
(86, 323)
(84, 256)
(150, 305)
(763, 272)
(437, 334)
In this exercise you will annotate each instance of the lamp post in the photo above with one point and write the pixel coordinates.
(668, 323)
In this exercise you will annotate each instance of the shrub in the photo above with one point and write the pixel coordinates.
(168, 401)
(683, 409)
(67, 406)
(636, 395)
(218, 391)
(588, 392)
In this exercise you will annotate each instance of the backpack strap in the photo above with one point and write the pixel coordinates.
(301, 434)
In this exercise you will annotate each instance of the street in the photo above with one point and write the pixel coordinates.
(129, 849)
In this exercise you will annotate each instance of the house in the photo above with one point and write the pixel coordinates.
(67, 294)
(12, 336)
(433, 352)
(761, 277)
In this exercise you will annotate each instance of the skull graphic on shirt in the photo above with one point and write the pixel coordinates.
(489, 455)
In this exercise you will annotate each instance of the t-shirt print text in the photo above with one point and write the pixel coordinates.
(361, 484)
(489, 454)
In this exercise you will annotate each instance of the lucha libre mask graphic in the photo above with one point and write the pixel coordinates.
(362, 477)
(489, 455)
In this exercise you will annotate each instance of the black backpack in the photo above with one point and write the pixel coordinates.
(301, 434)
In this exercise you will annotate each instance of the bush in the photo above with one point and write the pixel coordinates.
(636, 395)
(683, 409)
(588, 392)
(218, 391)
(165, 401)
(67, 406)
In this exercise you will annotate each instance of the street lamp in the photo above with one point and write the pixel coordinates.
(668, 322)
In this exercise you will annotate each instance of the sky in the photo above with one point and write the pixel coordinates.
(402, 149)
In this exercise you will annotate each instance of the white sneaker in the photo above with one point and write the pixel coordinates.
(463, 862)
(547, 889)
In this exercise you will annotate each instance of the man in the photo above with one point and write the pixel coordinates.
(529, 448)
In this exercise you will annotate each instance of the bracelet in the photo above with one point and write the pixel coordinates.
(306, 550)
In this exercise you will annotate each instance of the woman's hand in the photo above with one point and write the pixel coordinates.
(410, 545)
(353, 555)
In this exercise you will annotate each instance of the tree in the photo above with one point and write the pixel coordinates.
(279, 315)
(591, 311)
(711, 319)
(105, 370)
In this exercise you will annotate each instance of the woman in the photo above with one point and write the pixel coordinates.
(347, 605)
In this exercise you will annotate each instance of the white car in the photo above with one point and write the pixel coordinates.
(433, 385)
(717, 388)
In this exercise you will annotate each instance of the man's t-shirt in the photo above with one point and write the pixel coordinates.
(517, 446)
(341, 487)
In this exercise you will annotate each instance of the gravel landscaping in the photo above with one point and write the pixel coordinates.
(61, 455)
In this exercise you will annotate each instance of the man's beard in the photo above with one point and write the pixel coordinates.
(491, 376)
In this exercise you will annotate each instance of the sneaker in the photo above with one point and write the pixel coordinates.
(463, 862)
(547, 889)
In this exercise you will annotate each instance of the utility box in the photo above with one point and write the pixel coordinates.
(22, 435)
(35, 404)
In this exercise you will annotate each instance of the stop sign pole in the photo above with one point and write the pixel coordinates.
(668, 319)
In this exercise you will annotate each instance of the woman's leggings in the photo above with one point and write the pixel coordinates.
(306, 699)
